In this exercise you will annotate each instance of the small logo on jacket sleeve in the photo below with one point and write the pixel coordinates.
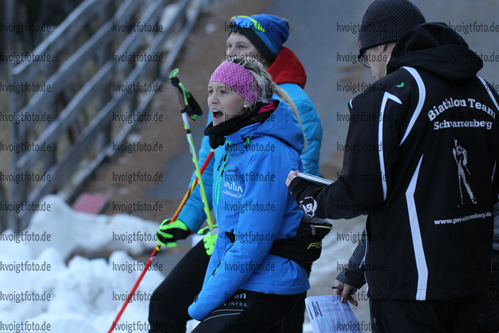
(308, 205)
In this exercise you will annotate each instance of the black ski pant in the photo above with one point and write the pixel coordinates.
(249, 312)
(409, 316)
(490, 312)
(171, 299)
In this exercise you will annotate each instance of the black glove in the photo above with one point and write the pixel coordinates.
(168, 233)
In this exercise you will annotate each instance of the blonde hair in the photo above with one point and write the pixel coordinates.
(265, 86)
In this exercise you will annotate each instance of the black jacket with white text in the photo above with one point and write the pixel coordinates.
(420, 160)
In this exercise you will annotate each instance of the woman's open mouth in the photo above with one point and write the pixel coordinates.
(217, 115)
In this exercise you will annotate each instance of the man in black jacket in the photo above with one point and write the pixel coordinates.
(420, 160)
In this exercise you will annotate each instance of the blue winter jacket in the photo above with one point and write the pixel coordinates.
(289, 74)
(253, 204)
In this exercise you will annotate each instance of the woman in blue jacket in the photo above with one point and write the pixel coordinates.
(246, 289)
(286, 70)
(288, 73)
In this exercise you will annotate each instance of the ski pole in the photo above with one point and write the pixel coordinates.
(189, 107)
(194, 183)
(151, 258)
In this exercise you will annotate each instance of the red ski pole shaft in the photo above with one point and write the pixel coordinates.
(134, 288)
(156, 249)
(189, 191)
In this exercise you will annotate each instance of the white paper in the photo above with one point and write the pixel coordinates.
(315, 179)
(328, 315)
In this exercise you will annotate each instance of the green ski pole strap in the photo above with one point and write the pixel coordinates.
(190, 105)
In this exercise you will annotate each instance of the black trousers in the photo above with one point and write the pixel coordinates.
(408, 316)
(490, 312)
(249, 312)
(172, 298)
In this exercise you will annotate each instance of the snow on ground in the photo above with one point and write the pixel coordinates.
(86, 295)
(74, 231)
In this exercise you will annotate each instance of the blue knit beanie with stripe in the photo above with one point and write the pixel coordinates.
(267, 43)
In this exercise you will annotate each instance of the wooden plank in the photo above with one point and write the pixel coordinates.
(165, 71)
(132, 42)
(161, 37)
(4, 214)
(52, 45)
(66, 165)
(74, 64)
(58, 39)
(96, 125)
(41, 100)
(120, 137)
(126, 10)
(145, 103)
(103, 56)
(59, 125)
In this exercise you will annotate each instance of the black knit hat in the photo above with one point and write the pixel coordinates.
(385, 21)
